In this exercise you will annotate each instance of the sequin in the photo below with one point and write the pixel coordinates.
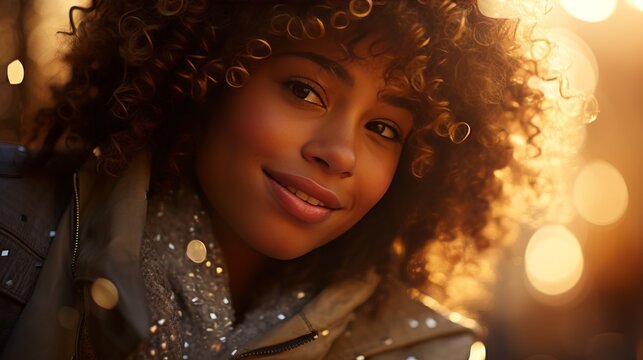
(213, 316)
(152, 352)
(161, 322)
(281, 316)
(430, 322)
(52, 233)
(360, 357)
(226, 301)
(5, 252)
(219, 270)
(411, 358)
(196, 251)
(234, 352)
(413, 323)
(163, 345)
(8, 283)
(387, 341)
(153, 329)
(186, 344)
(208, 263)
(301, 295)
(171, 246)
(325, 332)
(223, 339)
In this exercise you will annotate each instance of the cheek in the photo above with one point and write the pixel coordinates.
(258, 125)
(379, 172)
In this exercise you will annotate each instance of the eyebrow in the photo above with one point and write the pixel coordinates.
(329, 65)
(338, 70)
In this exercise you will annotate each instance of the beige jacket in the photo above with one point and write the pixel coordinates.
(101, 233)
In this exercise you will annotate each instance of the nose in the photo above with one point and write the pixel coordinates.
(332, 147)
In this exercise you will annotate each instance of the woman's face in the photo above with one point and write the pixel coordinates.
(303, 150)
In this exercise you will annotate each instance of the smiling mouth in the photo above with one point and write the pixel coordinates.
(285, 189)
(303, 196)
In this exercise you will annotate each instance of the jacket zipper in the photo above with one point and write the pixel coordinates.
(19, 242)
(74, 255)
(278, 348)
(75, 226)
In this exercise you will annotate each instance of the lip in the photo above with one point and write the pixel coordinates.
(309, 186)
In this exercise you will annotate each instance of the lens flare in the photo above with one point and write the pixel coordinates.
(553, 260)
(589, 10)
(600, 193)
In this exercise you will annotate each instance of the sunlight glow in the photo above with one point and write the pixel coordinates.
(553, 260)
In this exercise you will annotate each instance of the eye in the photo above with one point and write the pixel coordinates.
(304, 91)
(385, 130)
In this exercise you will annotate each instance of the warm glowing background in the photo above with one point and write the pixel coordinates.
(571, 284)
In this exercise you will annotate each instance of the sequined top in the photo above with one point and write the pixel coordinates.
(187, 286)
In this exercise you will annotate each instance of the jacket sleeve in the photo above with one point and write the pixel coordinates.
(30, 208)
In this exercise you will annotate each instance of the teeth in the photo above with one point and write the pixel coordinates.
(302, 195)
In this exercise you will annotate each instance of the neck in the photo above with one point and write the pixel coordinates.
(244, 264)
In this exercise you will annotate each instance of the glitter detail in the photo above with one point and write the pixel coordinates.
(5, 252)
(360, 357)
(161, 322)
(387, 341)
(325, 332)
(152, 352)
(411, 358)
(164, 345)
(234, 352)
(414, 323)
(52, 233)
(431, 323)
(194, 300)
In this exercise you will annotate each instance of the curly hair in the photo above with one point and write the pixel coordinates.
(144, 72)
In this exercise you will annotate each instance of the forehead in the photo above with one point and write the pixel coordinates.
(345, 49)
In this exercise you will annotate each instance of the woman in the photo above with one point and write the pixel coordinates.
(253, 165)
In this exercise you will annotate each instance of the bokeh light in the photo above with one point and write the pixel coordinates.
(553, 260)
(590, 10)
(478, 351)
(637, 4)
(574, 58)
(600, 193)
(15, 72)
(104, 293)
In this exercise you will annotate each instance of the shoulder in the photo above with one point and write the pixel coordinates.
(404, 328)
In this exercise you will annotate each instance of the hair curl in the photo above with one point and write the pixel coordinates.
(143, 72)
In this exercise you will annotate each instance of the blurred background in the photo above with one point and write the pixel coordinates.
(570, 286)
